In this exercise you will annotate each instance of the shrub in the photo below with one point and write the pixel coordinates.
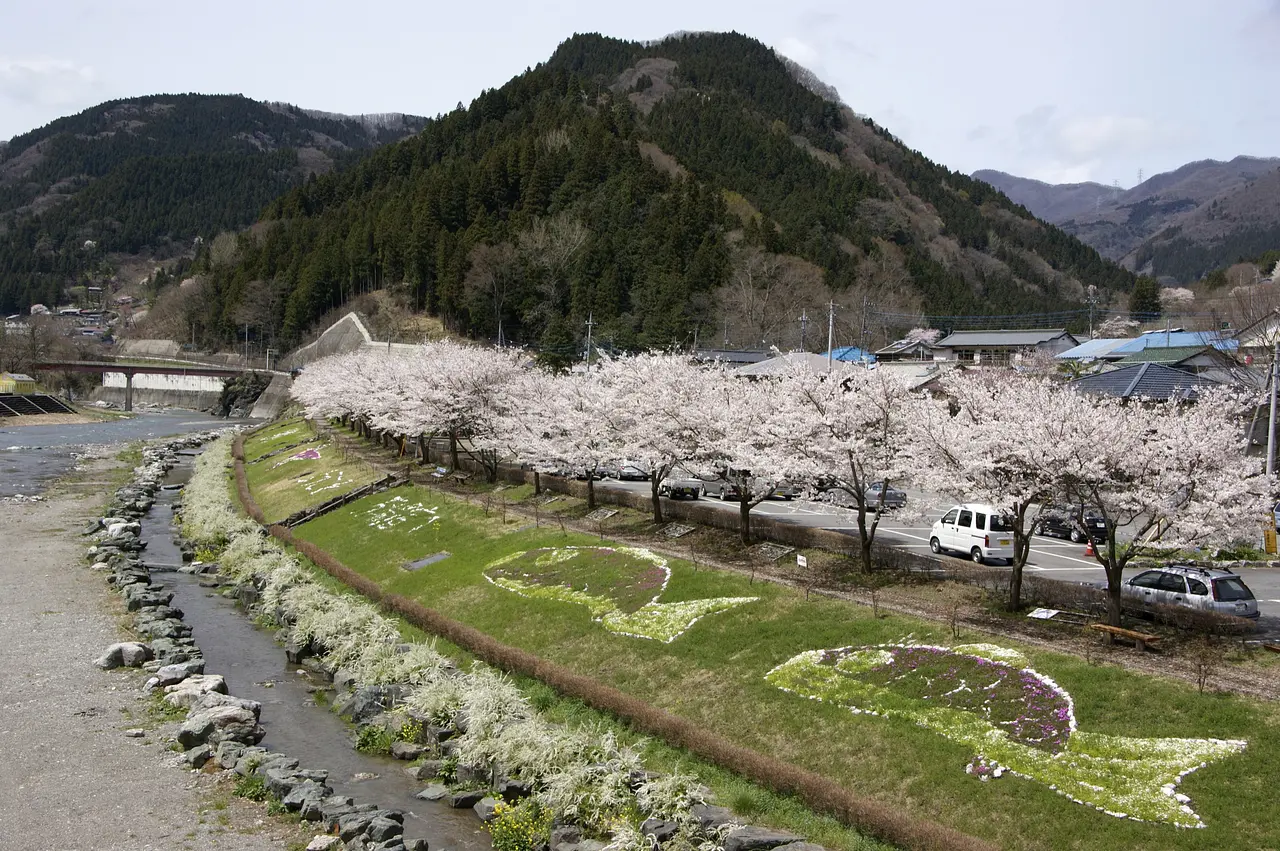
(251, 788)
(522, 827)
(374, 739)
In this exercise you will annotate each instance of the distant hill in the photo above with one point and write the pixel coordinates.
(693, 189)
(1178, 225)
(147, 175)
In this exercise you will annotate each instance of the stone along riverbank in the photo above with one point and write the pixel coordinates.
(259, 735)
(71, 779)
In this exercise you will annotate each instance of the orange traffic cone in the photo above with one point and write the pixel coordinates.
(1088, 548)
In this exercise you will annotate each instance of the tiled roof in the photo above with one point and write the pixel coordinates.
(1144, 381)
(978, 339)
(1160, 354)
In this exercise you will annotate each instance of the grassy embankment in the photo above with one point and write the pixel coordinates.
(713, 675)
(283, 485)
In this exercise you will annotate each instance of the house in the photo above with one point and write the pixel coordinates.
(1256, 340)
(730, 357)
(852, 354)
(781, 363)
(1144, 381)
(1194, 359)
(903, 350)
(16, 382)
(999, 347)
(1099, 349)
(1176, 338)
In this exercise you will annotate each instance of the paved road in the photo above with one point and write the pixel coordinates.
(1051, 557)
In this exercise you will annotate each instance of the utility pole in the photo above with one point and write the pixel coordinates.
(246, 344)
(726, 334)
(804, 324)
(1092, 300)
(590, 324)
(831, 332)
(1271, 422)
(862, 330)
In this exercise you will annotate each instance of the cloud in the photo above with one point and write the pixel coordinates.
(980, 133)
(45, 82)
(1075, 148)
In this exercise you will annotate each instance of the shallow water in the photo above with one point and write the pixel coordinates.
(255, 667)
(31, 456)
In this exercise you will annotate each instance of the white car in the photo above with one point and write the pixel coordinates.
(979, 531)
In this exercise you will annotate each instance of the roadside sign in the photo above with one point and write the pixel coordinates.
(801, 561)
(1269, 540)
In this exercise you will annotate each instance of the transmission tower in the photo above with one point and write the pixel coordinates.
(1139, 177)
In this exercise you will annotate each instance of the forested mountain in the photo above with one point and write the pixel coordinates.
(1178, 225)
(674, 191)
(150, 174)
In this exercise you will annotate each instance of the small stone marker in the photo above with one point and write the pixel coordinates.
(423, 562)
(601, 514)
(676, 530)
(773, 552)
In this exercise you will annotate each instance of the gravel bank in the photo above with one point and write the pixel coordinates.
(71, 780)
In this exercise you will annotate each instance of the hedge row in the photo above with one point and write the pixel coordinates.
(816, 791)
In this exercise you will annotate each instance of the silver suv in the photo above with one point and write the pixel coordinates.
(1210, 589)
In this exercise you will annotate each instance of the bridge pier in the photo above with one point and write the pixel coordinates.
(128, 391)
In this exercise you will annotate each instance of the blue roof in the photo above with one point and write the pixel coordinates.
(1159, 339)
(851, 353)
(1101, 347)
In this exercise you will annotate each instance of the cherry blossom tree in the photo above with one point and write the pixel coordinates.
(661, 414)
(573, 420)
(747, 438)
(1160, 473)
(986, 440)
(849, 426)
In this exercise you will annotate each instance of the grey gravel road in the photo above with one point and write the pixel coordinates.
(69, 778)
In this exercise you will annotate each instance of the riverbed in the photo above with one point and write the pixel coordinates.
(33, 456)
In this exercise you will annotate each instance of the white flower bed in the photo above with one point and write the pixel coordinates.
(1123, 776)
(398, 510)
(656, 621)
(582, 774)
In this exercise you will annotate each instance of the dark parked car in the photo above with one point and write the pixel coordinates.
(833, 492)
(1059, 521)
(625, 471)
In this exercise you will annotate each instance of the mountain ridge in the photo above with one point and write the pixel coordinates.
(1178, 225)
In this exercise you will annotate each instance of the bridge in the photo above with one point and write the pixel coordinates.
(130, 369)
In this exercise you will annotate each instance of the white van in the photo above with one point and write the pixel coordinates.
(980, 531)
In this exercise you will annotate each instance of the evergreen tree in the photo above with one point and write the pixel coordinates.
(1144, 301)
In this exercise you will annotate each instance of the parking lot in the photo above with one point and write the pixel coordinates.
(1050, 557)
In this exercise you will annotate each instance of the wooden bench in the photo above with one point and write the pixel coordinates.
(1140, 639)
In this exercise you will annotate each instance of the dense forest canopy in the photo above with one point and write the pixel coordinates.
(671, 192)
(150, 174)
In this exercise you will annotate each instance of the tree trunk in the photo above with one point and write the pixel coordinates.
(422, 449)
(864, 540)
(744, 518)
(1021, 548)
(591, 490)
(537, 483)
(1113, 598)
(657, 500)
(453, 451)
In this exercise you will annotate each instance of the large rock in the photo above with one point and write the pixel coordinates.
(381, 829)
(512, 790)
(126, 654)
(324, 842)
(169, 675)
(220, 724)
(434, 792)
(486, 808)
(800, 846)
(660, 830)
(407, 750)
(352, 825)
(428, 769)
(367, 701)
(710, 817)
(299, 795)
(752, 838)
(184, 693)
(464, 799)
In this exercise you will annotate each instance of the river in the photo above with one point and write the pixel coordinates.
(32, 456)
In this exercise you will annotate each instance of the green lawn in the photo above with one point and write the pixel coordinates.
(284, 484)
(714, 674)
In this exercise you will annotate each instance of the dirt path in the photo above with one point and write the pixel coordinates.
(69, 778)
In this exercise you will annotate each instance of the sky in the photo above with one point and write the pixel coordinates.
(1058, 91)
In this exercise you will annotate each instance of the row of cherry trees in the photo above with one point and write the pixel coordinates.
(1161, 473)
